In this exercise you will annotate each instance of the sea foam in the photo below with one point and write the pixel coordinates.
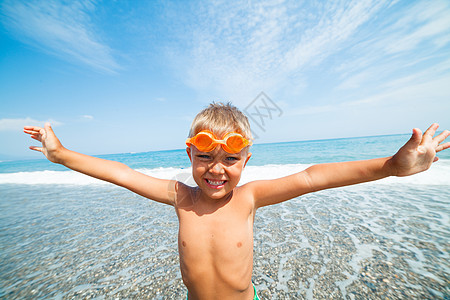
(439, 174)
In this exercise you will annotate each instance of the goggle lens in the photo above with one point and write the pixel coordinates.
(234, 144)
(205, 141)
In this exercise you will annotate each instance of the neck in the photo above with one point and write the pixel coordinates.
(209, 205)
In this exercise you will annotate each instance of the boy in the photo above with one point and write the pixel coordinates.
(215, 238)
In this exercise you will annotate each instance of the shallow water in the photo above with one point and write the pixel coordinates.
(373, 241)
(366, 242)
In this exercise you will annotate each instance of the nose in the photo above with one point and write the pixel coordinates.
(216, 168)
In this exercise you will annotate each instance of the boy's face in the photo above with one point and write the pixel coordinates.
(217, 172)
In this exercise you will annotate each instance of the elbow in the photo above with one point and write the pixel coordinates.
(122, 175)
(309, 182)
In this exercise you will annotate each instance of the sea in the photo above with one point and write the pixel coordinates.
(64, 235)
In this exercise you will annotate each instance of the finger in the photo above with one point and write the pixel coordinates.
(40, 135)
(39, 149)
(442, 136)
(29, 131)
(429, 133)
(415, 139)
(36, 137)
(48, 129)
(35, 128)
(443, 147)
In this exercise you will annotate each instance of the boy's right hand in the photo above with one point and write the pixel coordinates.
(51, 146)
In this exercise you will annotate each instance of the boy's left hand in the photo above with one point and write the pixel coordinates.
(419, 152)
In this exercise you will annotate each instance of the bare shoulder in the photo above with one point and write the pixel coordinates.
(245, 194)
(245, 191)
(182, 195)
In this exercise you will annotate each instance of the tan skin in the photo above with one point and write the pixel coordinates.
(215, 239)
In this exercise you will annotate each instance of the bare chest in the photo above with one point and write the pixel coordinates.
(225, 230)
(215, 244)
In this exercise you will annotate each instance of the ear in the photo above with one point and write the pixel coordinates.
(188, 151)
(248, 157)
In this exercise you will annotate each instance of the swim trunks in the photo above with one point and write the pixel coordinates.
(254, 298)
(256, 295)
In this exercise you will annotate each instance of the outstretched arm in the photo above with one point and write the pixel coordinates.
(415, 156)
(111, 171)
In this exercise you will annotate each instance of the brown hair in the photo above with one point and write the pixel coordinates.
(221, 118)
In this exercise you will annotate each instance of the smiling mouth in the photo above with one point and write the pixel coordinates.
(215, 183)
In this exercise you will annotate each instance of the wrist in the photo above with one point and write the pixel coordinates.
(58, 155)
(389, 167)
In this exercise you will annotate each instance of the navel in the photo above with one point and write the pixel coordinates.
(239, 245)
(183, 243)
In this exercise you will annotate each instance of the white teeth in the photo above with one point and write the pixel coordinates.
(215, 182)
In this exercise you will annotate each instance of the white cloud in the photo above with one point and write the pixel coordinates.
(402, 53)
(420, 24)
(239, 50)
(273, 46)
(18, 124)
(409, 91)
(87, 117)
(421, 89)
(62, 29)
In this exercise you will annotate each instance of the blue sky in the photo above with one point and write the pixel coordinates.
(129, 76)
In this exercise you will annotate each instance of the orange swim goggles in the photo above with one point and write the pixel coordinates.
(206, 141)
